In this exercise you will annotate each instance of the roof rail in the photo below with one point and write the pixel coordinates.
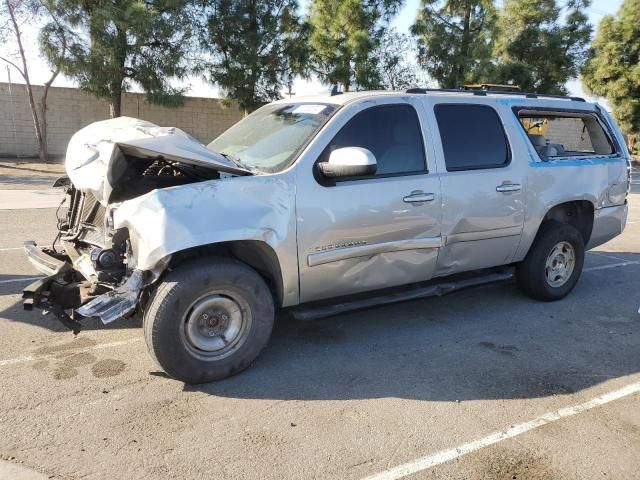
(484, 93)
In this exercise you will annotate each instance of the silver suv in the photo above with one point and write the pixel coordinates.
(323, 205)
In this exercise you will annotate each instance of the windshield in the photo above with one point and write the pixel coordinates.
(269, 138)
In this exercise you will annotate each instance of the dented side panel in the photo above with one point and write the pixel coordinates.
(173, 219)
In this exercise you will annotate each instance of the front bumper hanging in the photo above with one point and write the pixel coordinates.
(58, 292)
(52, 293)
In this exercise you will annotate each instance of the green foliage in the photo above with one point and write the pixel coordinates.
(613, 68)
(539, 46)
(395, 70)
(454, 39)
(256, 48)
(345, 34)
(115, 44)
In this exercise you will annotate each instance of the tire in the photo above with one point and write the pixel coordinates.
(538, 276)
(208, 319)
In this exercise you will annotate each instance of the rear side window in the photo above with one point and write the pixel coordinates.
(564, 134)
(472, 137)
(391, 132)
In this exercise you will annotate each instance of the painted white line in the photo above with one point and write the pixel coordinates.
(612, 265)
(17, 280)
(20, 472)
(612, 257)
(31, 358)
(443, 456)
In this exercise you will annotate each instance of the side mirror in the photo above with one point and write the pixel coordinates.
(349, 162)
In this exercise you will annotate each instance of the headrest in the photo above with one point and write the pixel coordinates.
(538, 140)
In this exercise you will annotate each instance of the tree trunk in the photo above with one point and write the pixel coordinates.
(42, 152)
(44, 147)
(464, 47)
(115, 104)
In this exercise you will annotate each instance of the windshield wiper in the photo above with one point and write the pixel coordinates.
(237, 161)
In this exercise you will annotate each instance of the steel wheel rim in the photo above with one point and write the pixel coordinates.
(215, 325)
(560, 264)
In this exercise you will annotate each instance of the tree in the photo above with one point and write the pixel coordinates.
(15, 14)
(256, 48)
(345, 34)
(613, 68)
(454, 39)
(396, 70)
(114, 45)
(539, 46)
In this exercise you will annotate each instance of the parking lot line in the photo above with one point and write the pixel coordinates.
(100, 346)
(611, 265)
(13, 471)
(429, 461)
(24, 279)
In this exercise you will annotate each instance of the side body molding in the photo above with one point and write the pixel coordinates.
(337, 254)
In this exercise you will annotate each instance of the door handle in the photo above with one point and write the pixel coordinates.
(419, 197)
(508, 187)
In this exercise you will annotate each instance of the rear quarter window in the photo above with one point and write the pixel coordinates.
(472, 136)
(565, 134)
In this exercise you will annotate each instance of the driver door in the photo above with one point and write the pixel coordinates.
(381, 230)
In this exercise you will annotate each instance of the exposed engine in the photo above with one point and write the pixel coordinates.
(85, 232)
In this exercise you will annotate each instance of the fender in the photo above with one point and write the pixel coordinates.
(170, 220)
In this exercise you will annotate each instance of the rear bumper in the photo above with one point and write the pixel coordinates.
(608, 223)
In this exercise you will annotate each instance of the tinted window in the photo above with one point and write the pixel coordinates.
(556, 134)
(472, 137)
(391, 133)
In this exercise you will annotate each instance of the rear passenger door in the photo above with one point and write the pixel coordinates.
(482, 185)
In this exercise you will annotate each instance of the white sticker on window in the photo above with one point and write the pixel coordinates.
(311, 109)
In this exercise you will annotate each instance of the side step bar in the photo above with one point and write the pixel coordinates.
(311, 311)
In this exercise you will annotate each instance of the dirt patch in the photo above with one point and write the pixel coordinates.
(40, 365)
(63, 373)
(79, 360)
(108, 367)
(508, 350)
(507, 464)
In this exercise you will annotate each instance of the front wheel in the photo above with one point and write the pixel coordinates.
(554, 263)
(208, 319)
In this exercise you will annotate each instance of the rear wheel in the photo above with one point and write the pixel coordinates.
(554, 263)
(208, 319)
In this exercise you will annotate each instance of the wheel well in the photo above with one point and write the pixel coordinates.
(258, 255)
(578, 213)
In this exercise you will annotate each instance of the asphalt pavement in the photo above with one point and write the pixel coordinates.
(480, 384)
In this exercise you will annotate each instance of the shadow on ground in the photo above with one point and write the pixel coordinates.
(486, 343)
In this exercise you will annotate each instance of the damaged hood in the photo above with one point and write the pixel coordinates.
(97, 154)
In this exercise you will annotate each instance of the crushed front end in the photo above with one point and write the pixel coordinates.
(91, 267)
(88, 269)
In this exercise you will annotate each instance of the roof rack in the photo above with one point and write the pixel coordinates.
(484, 93)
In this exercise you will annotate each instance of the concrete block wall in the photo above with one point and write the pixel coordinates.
(569, 132)
(70, 109)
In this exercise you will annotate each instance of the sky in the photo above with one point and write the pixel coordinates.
(40, 73)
